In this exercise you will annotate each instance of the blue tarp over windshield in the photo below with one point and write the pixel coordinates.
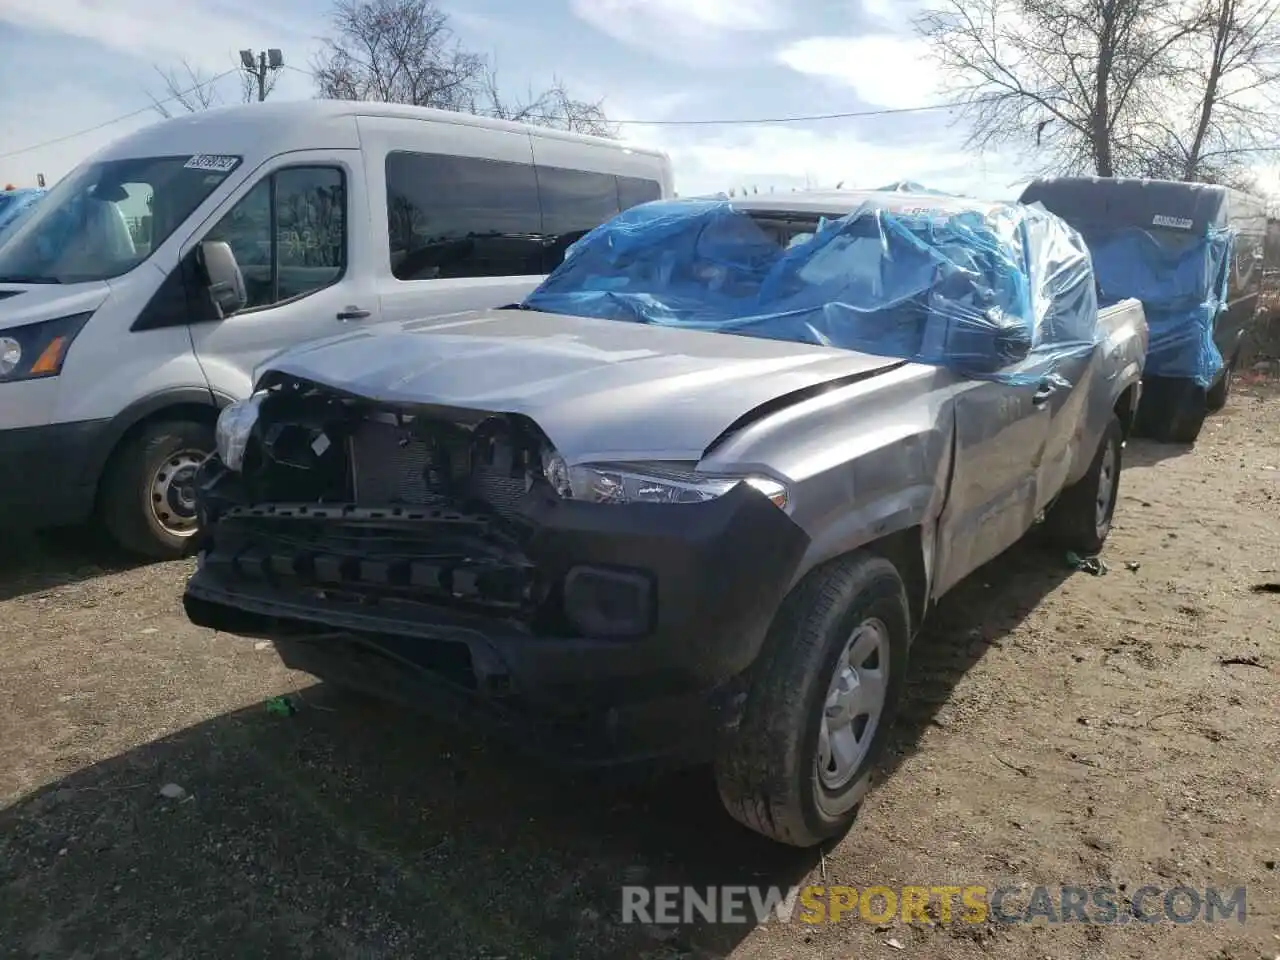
(1183, 288)
(15, 203)
(966, 286)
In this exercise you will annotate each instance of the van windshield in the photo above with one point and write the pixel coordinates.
(105, 218)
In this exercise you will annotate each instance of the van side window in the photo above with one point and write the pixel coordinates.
(632, 191)
(288, 234)
(461, 217)
(573, 203)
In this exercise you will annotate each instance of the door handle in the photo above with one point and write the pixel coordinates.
(352, 313)
(1043, 392)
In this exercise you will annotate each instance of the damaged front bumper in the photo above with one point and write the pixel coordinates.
(601, 633)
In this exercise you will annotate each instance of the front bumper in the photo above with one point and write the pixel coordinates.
(45, 480)
(643, 622)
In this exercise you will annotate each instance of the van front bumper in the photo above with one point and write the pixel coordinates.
(353, 597)
(46, 474)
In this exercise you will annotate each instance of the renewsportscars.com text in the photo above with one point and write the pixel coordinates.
(1090, 904)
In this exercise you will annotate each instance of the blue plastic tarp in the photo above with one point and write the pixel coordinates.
(15, 203)
(1183, 289)
(967, 286)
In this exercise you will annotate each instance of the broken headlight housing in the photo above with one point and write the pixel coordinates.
(648, 482)
(235, 426)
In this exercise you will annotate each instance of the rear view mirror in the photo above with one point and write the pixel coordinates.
(221, 274)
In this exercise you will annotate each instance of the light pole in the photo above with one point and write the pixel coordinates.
(268, 60)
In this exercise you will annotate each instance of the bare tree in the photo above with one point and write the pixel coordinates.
(1231, 63)
(553, 107)
(1116, 87)
(191, 90)
(396, 51)
(403, 51)
(187, 91)
(1074, 78)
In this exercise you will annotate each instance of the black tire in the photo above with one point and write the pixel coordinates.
(127, 488)
(1188, 421)
(1074, 522)
(767, 770)
(1220, 392)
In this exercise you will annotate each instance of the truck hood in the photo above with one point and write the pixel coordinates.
(599, 389)
(26, 303)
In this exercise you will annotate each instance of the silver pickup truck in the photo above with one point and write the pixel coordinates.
(639, 527)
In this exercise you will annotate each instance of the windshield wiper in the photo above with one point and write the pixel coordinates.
(27, 278)
(521, 306)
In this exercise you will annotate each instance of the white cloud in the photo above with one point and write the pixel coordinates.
(693, 30)
(783, 157)
(154, 31)
(884, 70)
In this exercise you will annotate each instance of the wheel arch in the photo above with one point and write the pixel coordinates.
(1126, 408)
(905, 549)
(196, 404)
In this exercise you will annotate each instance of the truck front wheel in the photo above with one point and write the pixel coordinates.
(148, 497)
(821, 701)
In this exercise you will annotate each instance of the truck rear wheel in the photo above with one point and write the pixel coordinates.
(1081, 519)
(148, 496)
(820, 705)
(1220, 392)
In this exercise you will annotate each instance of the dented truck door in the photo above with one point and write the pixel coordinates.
(1000, 437)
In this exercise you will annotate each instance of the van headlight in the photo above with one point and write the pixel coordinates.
(235, 426)
(38, 350)
(648, 483)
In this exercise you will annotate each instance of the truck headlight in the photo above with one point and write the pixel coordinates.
(235, 426)
(653, 483)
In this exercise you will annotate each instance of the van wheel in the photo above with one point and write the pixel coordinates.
(148, 496)
(1081, 519)
(1188, 419)
(820, 704)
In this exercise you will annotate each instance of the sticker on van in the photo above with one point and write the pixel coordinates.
(212, 162)
(1159, 220)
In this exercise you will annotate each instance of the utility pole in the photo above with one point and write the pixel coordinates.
(268, 61)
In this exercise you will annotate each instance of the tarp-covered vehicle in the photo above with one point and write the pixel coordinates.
(692, 497)
(1193, 254)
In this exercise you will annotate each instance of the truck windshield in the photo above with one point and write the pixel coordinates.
(105, 218)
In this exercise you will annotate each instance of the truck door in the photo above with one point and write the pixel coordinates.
(1001, 433)
(300, 236)
(1064, 405)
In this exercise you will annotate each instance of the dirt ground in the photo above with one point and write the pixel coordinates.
(1062, 728)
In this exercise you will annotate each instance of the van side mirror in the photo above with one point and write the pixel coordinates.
(221, 275)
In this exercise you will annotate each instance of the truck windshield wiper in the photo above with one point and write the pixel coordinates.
(27, 278)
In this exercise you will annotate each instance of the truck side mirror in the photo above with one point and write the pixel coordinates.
(222, 277)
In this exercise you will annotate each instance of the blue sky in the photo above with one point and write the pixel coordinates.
(73, 64)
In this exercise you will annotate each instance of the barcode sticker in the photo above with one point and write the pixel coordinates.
(1159, 220)
(212, 162)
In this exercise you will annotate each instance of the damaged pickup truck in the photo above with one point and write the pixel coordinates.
(691, 499)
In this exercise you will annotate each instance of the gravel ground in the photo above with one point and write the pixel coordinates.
(1062, 728)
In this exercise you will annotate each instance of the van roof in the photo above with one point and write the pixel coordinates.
(1119, 201)
(276, 127)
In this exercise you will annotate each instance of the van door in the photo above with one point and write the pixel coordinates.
(299, 232)
(456, 223)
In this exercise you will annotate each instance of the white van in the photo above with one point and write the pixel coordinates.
(125, 325)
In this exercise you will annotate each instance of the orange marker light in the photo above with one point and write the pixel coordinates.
(50, 359)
